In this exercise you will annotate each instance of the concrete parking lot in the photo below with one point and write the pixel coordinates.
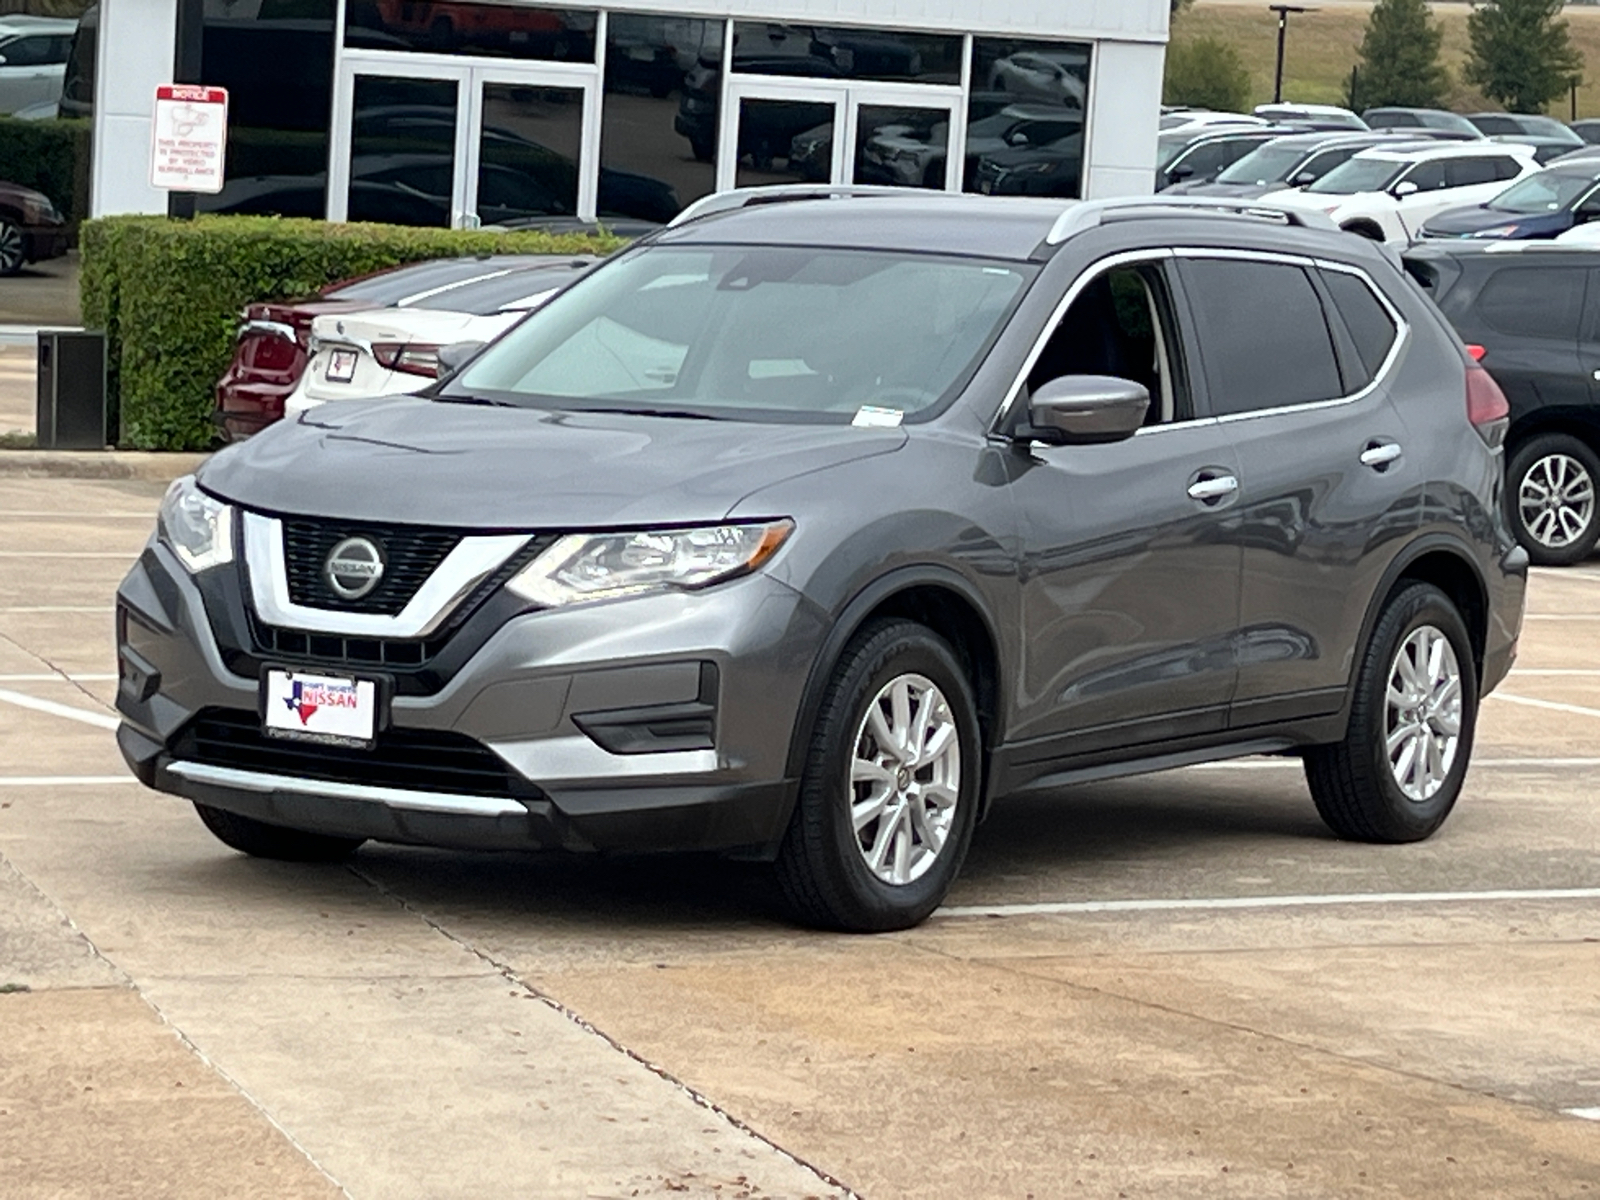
(1176, 985)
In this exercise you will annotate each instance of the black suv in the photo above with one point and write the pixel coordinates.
(1532, 313)
(811, 526)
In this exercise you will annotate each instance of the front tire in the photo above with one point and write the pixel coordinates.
(1552, 483)
(11, 251)
(261, 840)
(889, 791)
(1397, 773)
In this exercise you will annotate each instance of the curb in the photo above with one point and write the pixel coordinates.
(147, 466)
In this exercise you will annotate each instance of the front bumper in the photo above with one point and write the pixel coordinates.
(582, 711)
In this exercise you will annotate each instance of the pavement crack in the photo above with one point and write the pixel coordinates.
(177, 1032)
(39, 658)
(510, 975)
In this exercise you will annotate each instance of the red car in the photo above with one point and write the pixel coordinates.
(31, 229)
(274, 336)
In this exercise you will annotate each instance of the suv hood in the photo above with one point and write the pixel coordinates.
(420, 462)
(1462, 222)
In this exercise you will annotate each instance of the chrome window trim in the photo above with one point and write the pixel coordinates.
(402, 798)
(472, 561)
(1087, 276)
(576, 757)
(1308, 262)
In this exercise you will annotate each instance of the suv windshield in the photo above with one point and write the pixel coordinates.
(755, 332)
(1545, 192)
(1359, 175)
(1270, 164)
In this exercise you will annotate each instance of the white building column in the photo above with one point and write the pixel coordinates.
(134, 57)
(1124, 118)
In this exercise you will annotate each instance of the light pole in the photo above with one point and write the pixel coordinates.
(1283, 11)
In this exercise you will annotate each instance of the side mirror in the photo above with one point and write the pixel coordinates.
(1587, 211)
(1083, 410)
(1018, 138)
(454, 356)
(1404, 188)
(1304, 179)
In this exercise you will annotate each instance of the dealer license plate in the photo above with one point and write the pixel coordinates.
(342, 366)
(338, 709)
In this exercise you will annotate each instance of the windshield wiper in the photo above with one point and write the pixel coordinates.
(628, 411)
(483, 400)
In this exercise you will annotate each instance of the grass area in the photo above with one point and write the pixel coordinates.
(1322, 48)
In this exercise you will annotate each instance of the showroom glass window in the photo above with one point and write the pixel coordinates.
(520, 31)
(822, 52)
(1025, 122)
(659, 116)
(278, 68)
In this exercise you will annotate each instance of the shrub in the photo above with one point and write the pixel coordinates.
(1206, 73)
(50, 157)
(168, 294)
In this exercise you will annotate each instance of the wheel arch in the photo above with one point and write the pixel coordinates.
(931, 595)
(1365, 227)
(1580, 423)
(1446, 564)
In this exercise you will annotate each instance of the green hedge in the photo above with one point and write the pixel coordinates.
(168, 295)
(50, 157)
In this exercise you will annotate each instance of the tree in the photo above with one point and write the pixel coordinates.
(1399, 58)
(1522, 55)
(1206, 73)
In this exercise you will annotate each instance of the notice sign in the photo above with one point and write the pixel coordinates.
(189, 138)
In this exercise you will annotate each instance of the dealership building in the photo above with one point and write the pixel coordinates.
(468, 114)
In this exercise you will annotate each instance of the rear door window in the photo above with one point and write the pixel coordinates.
(1252, 320)
(1372, 330)
(1535, 302)
(1469, 172)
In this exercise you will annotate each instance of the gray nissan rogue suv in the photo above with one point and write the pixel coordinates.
(805, 530)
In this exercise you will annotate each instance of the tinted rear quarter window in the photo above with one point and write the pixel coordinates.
(1263, 336)
(1536, 302)
(1371, 327)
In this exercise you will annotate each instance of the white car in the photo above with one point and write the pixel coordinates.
(395, 351)
(1388, 192)
(1195, 118)
(1054, 76)
(33, 60)
(1327, 116)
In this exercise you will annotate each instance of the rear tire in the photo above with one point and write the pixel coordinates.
(889, 790)
(261, 840)
(1397, 773)
(1553, 499)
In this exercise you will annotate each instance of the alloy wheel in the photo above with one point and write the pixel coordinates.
(1556, 501)
(10, 248)
(905, 779)
(1423, 725)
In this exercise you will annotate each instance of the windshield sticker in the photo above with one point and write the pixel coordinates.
(868, 417)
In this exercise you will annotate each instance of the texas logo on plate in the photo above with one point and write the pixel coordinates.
(320, 707)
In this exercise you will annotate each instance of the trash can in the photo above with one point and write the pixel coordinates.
(72, 390)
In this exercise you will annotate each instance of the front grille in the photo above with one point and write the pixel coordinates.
(418, 760)
(410, 555)
(334, 649)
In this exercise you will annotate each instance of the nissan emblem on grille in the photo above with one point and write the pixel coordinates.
(354, 568)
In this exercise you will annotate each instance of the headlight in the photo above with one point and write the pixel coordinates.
(605, 565)
(198, 528)
(1499, 231)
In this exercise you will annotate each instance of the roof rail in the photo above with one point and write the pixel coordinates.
(1090, 214)
(720, 202)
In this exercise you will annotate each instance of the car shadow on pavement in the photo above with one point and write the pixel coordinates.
(1063, 841)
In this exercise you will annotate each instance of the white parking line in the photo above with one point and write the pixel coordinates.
(1588, 1114)
(1072, 908)
(1553, 706)
(63, 780)
(1582, 671)
(1562, 617)
(1293, 764)
(21, 700)
(59, 608)
(24, 513)
(124, 555)
(57, 678)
